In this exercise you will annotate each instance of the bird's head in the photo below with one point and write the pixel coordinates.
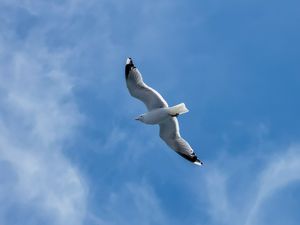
(140, 118)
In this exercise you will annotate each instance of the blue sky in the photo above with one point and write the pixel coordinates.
(70, 151)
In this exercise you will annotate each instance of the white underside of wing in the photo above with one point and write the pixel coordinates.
(143, 92)
(183, 146)
(169, 132)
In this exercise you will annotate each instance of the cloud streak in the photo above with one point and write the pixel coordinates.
(234, 200)
(282, 171)
(38, 119)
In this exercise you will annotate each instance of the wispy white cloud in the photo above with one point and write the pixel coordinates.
(38, 117)
(283, 170)
(134, 203)
(240, 199)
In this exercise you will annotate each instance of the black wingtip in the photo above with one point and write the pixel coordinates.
(192, 158)
(129, 60)
(198, 162)
(129, 65)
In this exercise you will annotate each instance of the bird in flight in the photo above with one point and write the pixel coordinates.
(159, 113)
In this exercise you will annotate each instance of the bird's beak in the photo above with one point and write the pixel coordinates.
(136, 118)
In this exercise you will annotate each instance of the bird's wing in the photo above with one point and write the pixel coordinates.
(169, 132)
(138, 89)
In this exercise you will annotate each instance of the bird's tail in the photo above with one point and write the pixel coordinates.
(178, 109)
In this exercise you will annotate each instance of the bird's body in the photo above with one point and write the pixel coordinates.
(154, 116)
(159, 115)
(159, 112)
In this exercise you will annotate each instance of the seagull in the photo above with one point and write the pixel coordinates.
(159, 113)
